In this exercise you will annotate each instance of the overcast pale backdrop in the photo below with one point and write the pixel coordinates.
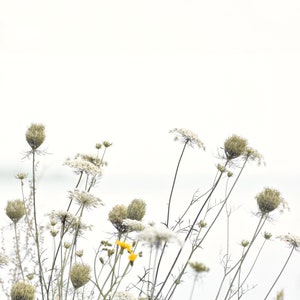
(129, 71)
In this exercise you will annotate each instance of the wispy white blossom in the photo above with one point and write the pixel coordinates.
(88, 164)
(156, 234)
(187, 136)
(85, 198)
(292, 240)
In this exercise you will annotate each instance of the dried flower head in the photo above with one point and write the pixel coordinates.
(117, 215)
(21, 176)
(85, 199)
(35, 135)
(254, 155)
(106, 144)
(22, 291)
(244, 243)
(234, 146)
(136, 210)
(198, 267)
(267, 235)
(291, 240)
(15, 210)
(186, 136)
(268, 200)
(80, 275)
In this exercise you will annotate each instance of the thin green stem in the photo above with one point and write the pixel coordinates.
(282, 269)
(18, 250)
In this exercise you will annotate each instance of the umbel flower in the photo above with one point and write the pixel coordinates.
(15, 210)
(186, 136)
(84, 163)
(155, 235)
(268, 200)
(35, 135)
(22, 291)
(198, 267)
(84, 198)
(291, 240)
(234, 146)
(80, 275)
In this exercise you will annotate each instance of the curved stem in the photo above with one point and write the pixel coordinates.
(173, 184)
(282, 269)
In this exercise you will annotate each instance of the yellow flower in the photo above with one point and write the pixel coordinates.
(124, 245)
(132, 257)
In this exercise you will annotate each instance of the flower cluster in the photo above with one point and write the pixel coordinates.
(186, 136)
(123, 245)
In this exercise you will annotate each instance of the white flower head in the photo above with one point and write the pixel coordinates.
(291, 240)
(89, 164)
(155, 235)
(85, 198)
(187, 136)
(133, 225)
(120, 295)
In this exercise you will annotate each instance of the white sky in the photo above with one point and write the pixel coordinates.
(129, 71)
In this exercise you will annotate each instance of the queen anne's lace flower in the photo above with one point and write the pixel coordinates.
(133, 225)
(292, 240)
(155, 235)
(187, 136)
(85, 198)
(88, 164)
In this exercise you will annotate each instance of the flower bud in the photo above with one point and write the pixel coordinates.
(15, 210)
(117, 215)
(35, 135)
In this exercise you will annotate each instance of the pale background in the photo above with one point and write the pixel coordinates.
(128, 72)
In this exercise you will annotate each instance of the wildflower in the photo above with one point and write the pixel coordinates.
(84, 198)
(234, 147)
(187, 137)
(132, 257)
(124, 245)
(267, 235)
(254, 155)
(106, 144)
(83, 163)
(79, 253)
(21, 176)
(98, 146)
(155, 235)
(35, 135)
(245, 243)
(120, 295)
(67, 245)
(268, 200)
(15, 210)
(198, 267)
(136, 209)
(202, 224)
(117, 215)
(80, 275)
(292, 240)
(133, 225)
(22, 291)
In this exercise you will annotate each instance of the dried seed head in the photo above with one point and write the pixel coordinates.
(15, 210)
(117, 215)
(136, 210)
(35, 135)
(80, 275)
(234, 146)
(198, 267)
(22, 291)
(268, 200)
